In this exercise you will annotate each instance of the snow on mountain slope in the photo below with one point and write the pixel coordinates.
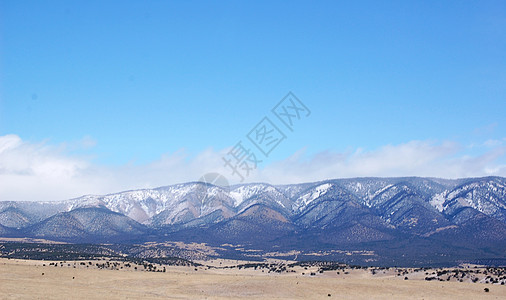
(438, 200)
(188, 202)
(244, 192)
(178, 203)
(311, 195)
(139, 205)
(485, 195)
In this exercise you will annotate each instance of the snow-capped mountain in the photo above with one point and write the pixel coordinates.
(340, 212)
(182, 203)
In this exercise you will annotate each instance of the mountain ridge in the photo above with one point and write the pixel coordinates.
(352, 212)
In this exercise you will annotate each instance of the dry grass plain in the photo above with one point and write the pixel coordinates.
(24, 280)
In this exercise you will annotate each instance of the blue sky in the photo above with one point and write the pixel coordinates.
(130, 84)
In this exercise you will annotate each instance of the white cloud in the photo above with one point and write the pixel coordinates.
(38, 171)
(415, 158)
(31, 171)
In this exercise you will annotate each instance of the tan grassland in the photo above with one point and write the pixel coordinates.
(21, 279)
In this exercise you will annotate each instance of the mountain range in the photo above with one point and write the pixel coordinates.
(427, 220)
